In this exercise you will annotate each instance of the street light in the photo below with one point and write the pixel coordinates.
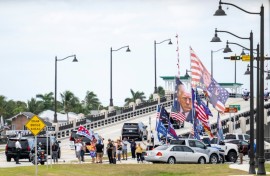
(128, 50)
(260, 142)
(250, 38)
(212, 74)
(155, 59)
(55, 84)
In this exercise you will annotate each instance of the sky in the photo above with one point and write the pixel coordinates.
(34, 32)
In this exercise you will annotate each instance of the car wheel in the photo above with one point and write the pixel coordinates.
(8, 159)
(171, 160)
(201, 160)
(232, 156)
(214, 159)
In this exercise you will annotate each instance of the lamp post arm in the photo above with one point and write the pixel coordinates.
(217, 50)
(66, 57)
(255, 13)
(121, 48)
(238, 45)
(163, 41)
(233, 34)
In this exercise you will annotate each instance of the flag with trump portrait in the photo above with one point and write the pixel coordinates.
(201, 78)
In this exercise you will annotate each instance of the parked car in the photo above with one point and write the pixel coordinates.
(175, 154)
(199, 146)
(10, 150)
(238, 136)
(136, 131)
(230, 150)
(237, 142)
(51, 140)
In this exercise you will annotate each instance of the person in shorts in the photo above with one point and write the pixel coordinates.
(124, 148)
(99, 149)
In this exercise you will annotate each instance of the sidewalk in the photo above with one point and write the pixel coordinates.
(244, 167)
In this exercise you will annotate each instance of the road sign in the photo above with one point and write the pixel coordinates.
(50, 128)
(245, 58)
(35, 125)
(230, 110)
(235, 106)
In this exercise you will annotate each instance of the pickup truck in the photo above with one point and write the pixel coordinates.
(230, 150)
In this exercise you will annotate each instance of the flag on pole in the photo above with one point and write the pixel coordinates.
(158, 115)
(200, 77)
(84, 132)
(219, 129)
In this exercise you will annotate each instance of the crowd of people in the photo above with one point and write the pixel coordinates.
(115, 150)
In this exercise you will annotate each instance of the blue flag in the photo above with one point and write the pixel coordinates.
(161, 129)
(219, 129)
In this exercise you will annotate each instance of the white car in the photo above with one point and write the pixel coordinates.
(175, 154)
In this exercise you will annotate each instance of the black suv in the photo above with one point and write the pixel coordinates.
(10, 151)
(136, 131)
(51, 140)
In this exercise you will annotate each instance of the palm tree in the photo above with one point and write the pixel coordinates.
(47, 99)
(160, 92)
(91, 101)
(135, 96)
(3, 103)
(69, 100)
(35, 106)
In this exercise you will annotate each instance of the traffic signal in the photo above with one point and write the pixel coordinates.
(235, 58)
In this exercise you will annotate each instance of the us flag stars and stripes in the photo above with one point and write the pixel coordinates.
(84, 132)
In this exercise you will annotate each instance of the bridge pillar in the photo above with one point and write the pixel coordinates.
(56, 125)
(74, 123)
(230, 124)
(243, 124)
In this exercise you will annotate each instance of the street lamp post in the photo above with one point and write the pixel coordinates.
(212, 74)
(111, 50)
(55, 84)
(260, 142)
(155, 59)
(250, 38)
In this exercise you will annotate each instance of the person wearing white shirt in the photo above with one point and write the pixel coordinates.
(18, 150)
(78, 150)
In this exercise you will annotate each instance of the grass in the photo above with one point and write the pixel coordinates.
(124, 169)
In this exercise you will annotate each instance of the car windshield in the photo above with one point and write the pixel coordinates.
(162, 147)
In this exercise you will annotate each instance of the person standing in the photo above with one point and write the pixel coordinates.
(152, 137)
(133, 148)
(119, 150)
(18, 150)
(110, 151)
(78, 147)
(139, 151)
(241, 152)
(124, 148)
(55, 149)
(92, 150)
(100, 148)
(83, 150)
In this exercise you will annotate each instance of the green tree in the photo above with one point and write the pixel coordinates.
(19, 107)
(134, 97)
(35, 106)
(47, 100)
(91, 101)
(69, 101)
(160, 92)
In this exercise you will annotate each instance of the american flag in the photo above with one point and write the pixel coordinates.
(84, 132)
(202, 111)
(177, 115)
(200, 77)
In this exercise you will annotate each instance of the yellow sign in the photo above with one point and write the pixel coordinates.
(245, 58)
(35, 125)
